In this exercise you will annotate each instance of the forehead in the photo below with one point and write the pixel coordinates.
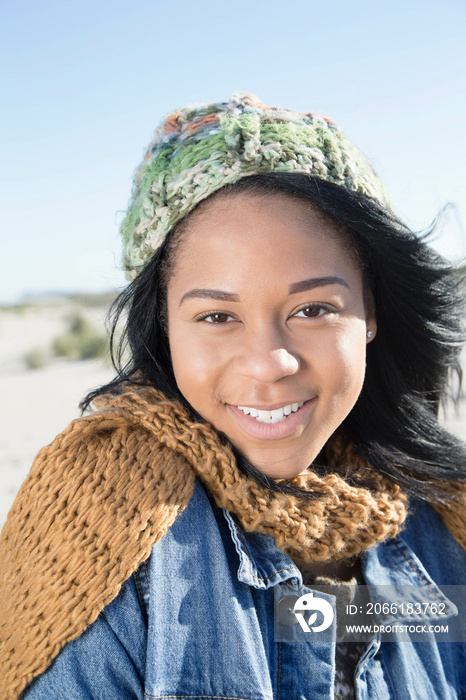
(273, 235)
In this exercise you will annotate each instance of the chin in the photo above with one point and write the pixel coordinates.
(275, 467)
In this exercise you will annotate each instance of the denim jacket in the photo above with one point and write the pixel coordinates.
(197, 621)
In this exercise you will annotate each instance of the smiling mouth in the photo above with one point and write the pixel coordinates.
(270, 417)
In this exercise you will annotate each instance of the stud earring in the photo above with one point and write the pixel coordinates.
(370, 334)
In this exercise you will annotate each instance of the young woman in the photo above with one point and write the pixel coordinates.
(274, 429)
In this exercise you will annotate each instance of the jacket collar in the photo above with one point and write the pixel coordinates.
(390, 564)
(261, 564)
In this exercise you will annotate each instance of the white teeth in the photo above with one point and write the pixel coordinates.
(264, 416)
(277, 415)
(274, 416)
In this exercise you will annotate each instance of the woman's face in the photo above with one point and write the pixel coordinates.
(268, 327)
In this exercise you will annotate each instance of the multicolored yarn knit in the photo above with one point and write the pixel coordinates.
(198, 150)
(107, 489)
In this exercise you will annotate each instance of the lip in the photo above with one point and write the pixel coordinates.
(273, 431)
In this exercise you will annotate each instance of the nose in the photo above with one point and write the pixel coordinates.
(265, 357)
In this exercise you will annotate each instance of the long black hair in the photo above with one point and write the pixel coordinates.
(411, 364)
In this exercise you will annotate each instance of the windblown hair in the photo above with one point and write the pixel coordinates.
(411, 365)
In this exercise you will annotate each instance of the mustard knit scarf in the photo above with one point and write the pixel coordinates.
(107, 489)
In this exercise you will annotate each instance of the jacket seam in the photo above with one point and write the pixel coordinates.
(418, 573)
(279, 667)
(188, 697)
(387, 675)
(259, 578)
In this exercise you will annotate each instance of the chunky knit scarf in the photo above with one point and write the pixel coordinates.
(107, 489)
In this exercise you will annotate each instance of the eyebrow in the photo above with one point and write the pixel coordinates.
(209, 294)
(294, 288)
(313, 282)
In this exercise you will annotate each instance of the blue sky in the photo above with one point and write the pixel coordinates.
(84, 85)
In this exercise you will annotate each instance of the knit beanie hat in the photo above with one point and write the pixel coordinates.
(198, 150)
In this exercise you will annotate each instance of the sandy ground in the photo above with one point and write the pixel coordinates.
(37, 404)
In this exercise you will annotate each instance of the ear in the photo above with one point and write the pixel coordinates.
(371, 321)
(371, 327)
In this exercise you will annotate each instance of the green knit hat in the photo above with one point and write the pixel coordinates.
(198, 150)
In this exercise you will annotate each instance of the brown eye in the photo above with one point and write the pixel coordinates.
(312, 311)
(215, 317)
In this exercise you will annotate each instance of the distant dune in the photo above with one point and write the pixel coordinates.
(37, 404)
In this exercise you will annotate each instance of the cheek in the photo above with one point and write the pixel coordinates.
(197, 365)
(346, 363)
